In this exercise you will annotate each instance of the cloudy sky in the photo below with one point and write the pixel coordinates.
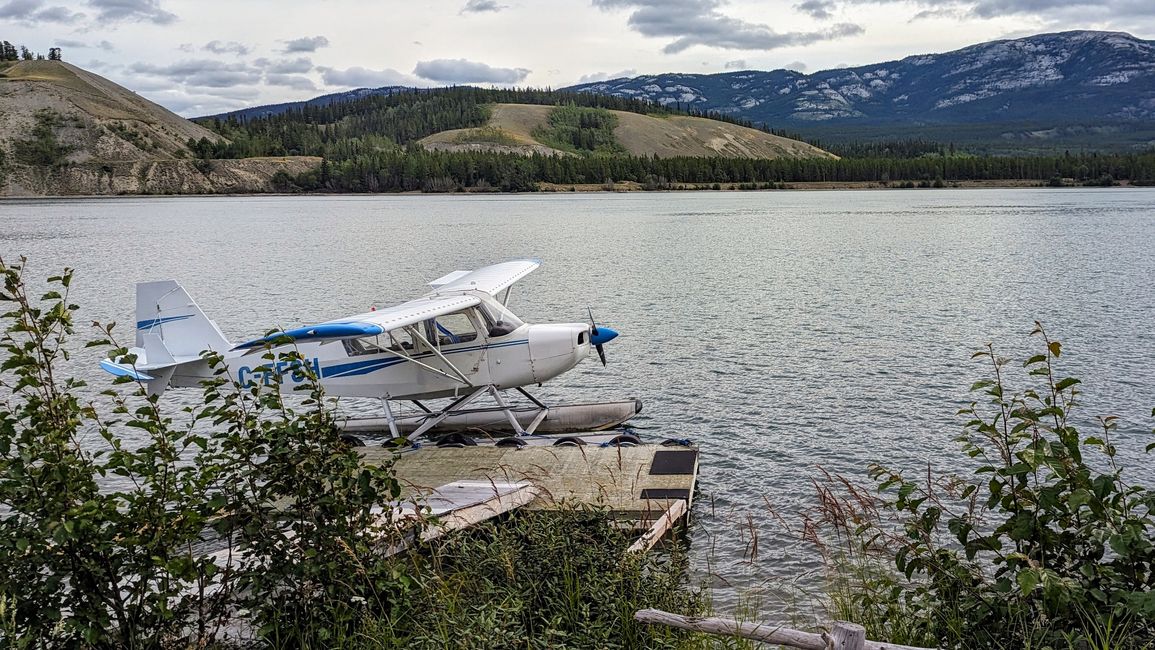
(207, 56)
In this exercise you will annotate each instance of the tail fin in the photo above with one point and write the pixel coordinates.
(171, 334)
(165, 309)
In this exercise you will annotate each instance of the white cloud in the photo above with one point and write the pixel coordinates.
(297, 82)
(482, 6)
(132, 10)
(305, 44)
(461, 71)
(226, 47)
(699, 22)
(606, 76)
(202, 72)
(358, 77)
(32, 12)
(285, 66)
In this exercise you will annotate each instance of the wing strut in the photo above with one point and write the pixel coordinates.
(462, 378)
(437, 371)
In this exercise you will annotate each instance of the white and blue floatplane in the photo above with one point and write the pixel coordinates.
(458, 342)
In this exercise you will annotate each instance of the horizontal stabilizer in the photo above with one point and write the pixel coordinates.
(124, 370)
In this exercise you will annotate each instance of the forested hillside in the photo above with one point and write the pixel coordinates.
(370, 145)
(342, 130)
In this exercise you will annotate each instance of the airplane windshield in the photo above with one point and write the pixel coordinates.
(500, 320)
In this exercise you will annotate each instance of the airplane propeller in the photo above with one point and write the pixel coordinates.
(599, 336)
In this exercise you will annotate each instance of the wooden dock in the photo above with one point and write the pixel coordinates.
(639, 483)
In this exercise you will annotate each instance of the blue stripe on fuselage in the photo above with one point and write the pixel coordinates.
(373, 365)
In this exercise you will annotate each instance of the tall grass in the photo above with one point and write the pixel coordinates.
(539, 579)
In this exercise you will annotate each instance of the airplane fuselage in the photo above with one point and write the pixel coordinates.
(530, 354)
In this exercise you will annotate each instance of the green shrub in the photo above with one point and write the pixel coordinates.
(1043, 544)
(578, 129)
(103, 544)
(42, 149)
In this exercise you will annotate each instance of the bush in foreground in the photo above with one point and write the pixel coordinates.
(1043, 544)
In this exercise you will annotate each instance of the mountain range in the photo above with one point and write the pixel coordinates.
(1046, 87)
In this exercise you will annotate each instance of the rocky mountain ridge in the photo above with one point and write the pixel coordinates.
(1078, 77)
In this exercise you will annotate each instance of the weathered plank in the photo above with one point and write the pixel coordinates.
(770, 633)
(458, 505)
(662, 526)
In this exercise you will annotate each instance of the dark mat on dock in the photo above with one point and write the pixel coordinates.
(664, 493)
(674, 462)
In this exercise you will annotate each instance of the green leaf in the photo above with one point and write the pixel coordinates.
(1066, 383)
(1027, 580)
(1079, 498)
(982, 383)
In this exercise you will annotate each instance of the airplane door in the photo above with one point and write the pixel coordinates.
(462, 342)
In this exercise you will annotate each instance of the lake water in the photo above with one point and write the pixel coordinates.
(781, 331)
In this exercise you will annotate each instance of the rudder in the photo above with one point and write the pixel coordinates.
(165, 310)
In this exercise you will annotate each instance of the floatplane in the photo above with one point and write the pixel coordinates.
(458, 342)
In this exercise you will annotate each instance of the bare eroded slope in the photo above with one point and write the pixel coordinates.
(115, 141)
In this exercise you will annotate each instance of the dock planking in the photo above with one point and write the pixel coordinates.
(634, 482)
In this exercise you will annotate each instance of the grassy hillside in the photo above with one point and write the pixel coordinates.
(93, 118)
(67, 131)
(520, 127)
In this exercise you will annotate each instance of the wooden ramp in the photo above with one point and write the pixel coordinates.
(456, 506)
(638, 483)
(453, 506)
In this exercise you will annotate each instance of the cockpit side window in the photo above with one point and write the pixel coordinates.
(452, 329)
(361, 347)
(401, 341)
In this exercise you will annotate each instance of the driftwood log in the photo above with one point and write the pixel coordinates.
(843, 636)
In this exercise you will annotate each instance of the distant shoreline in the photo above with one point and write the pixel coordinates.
(623, 187)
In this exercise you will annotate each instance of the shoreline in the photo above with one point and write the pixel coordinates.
(622, 187)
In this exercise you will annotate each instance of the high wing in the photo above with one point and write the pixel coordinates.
(373, 323)
(490, 279)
